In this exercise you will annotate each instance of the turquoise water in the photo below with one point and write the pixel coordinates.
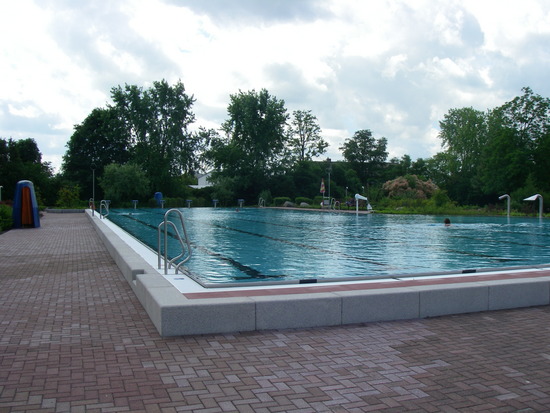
(268, 244)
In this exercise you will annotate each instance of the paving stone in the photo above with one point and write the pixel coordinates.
(73, 337)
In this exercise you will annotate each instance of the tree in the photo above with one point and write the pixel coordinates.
(124, 182)
(21, 160)
(517, 148)
(254, 141)
(464, 136)
(528, 114)
(398, 167)
(156, 122)
(305, 136)
(541, 160)
(97, 142)
(366, 154)
(505, 157)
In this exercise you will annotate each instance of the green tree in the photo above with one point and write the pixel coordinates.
(21, 160)
(517, 151)
(305, 136)
(438, 169)
(353, 183)
(463, 133)
(419, 168)
(251, 152)
(366, 154)
(398, 167)
(68, 197)
(541, 160)
(156, 122)
(528, 114)
(124, 182)
(97, 142)
(505, 166)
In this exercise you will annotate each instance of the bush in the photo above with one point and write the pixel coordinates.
(6, 221)
(122, 183)
(409, 187)
(280, 200)
(317, 201)
(301, 199)
(440, 198)
(68, 197)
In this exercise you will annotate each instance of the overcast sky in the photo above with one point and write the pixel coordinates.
(394, 67)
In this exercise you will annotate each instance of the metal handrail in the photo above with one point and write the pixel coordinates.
(165, 224)
(104, 203)
(261, 203)
(91, 204)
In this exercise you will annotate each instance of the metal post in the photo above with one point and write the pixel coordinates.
(508, 202)
(93, 188)
(1, 193)
(534, 198)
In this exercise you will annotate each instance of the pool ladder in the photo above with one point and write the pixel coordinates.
(104, 204)
(184, 242)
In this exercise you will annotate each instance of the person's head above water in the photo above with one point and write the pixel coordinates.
(447, 222)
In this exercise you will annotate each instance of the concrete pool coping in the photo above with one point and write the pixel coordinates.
(199, 311)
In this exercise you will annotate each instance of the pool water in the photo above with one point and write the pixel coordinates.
(255, 244)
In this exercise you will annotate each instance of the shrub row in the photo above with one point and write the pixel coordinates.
(6, 221)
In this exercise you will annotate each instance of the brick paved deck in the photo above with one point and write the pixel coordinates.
(73, 337)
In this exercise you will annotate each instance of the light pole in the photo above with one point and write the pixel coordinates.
(93, 188)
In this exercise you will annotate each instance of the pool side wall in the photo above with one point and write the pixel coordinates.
(173, 314)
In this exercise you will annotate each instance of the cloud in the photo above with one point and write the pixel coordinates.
(392, 66)
(247, 11)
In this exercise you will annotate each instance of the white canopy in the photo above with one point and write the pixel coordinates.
(532, 198)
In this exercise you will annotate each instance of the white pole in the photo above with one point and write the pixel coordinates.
(508, 201)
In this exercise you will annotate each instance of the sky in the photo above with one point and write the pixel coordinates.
(393, 67)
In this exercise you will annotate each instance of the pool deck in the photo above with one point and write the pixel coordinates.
(76, 334)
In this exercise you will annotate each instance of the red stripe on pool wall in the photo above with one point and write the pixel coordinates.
(326, 288)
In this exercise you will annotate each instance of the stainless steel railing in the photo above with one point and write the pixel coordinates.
(184, 241)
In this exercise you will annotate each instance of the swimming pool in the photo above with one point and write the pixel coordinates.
(259, 245)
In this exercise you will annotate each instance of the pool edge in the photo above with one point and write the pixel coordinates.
(173, 314)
